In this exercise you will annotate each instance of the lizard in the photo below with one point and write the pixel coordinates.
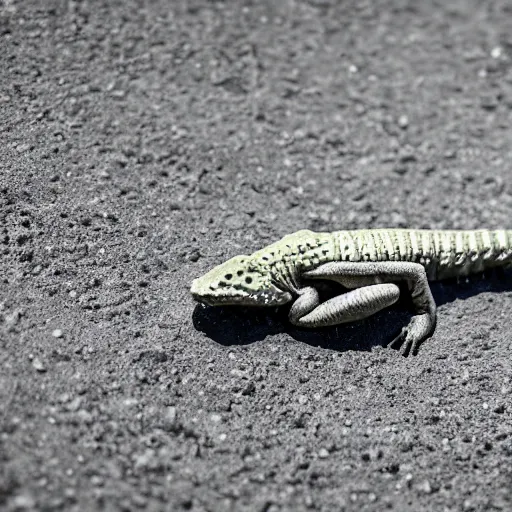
(368, 263)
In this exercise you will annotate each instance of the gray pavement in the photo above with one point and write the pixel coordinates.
(142, 143)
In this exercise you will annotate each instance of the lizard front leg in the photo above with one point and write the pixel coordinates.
(354, 305)
(422, 324)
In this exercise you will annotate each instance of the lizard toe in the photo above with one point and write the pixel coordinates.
(408, 345)
(398, 340)
(405, 342)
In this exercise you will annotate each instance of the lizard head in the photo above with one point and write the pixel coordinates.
(239, 281)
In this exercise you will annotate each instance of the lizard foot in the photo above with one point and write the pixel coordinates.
(412, 336)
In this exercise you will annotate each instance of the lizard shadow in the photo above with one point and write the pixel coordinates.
(236, 325)
(494, 281)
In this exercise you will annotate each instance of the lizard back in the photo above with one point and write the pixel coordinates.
(443, 253)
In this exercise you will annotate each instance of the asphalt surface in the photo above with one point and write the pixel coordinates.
(141, 143)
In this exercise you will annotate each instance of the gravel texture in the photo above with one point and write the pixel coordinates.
(143, 142)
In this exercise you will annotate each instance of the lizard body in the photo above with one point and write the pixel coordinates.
(368, 263)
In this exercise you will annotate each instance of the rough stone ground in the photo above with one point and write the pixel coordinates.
(141, 143)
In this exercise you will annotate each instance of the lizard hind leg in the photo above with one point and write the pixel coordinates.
(422, 323)
(347, 307)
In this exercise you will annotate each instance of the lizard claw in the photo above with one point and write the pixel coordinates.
(418, 330)
(402, 340)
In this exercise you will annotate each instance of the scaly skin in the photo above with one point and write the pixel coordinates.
(368, 263)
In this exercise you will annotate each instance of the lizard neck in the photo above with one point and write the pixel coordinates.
(295, 254)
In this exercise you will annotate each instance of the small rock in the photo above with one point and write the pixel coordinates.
(235, 222)
(224, 405)
(496, 52)
(194, 255)
(170, 415)
(407, 154)
(249, 389)
(388, 157)
(303, 399)
(488, 102)
(323, 453)
(118, 94)
(360, 109)
(216, 418)
(74, 405)
(468, 505)
(300, 421)
(142, 376)
(403, 122)
(13, 318)
(70, 493)
(308, 501)
(23, 502)
(144, 460)
(139, 501)
(425, 487)
(400, 170)
(21, 148)
(38, 365)
(57, 333)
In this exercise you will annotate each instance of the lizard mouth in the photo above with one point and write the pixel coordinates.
(226, 298)
(211, 300)
(253, 299)
(236, 295)
(262, 298)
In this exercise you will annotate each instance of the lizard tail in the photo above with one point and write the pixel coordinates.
(508, 251)
(509, 238)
